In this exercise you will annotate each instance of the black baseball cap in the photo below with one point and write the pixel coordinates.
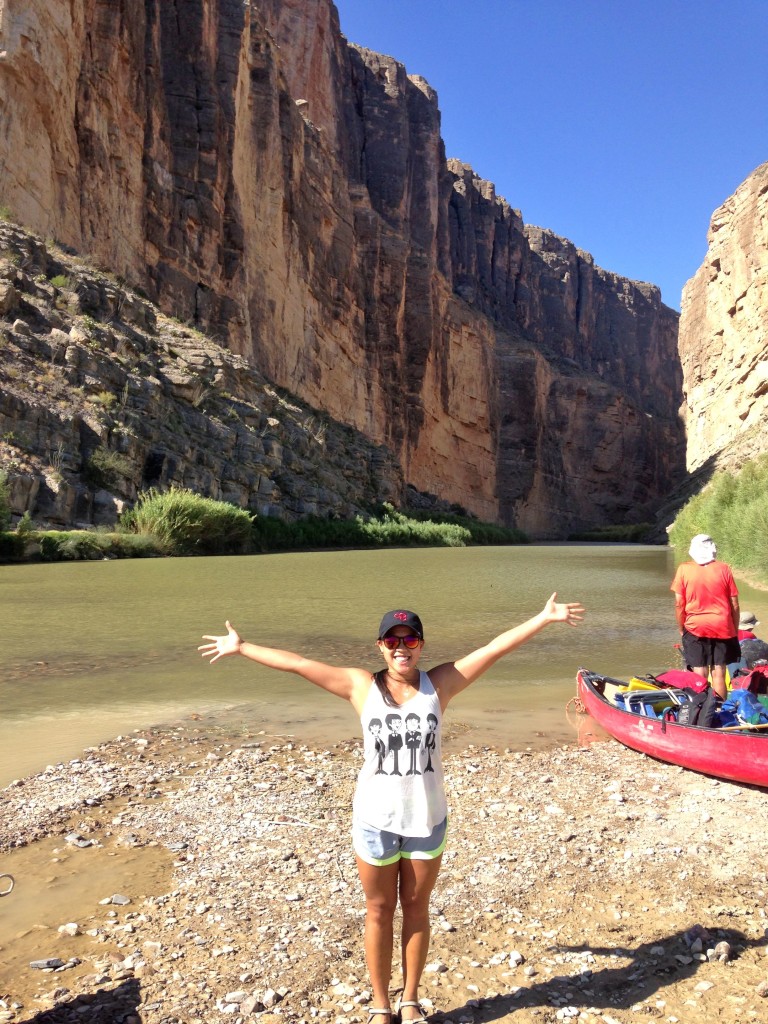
(401, 618)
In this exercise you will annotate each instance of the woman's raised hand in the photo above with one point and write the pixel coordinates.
(221, 646)
(570, 613)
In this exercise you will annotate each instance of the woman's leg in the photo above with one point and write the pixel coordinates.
(417, 880)
(380, 889)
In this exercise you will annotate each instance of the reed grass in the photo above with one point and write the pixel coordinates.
(184, 523)
(733, 510)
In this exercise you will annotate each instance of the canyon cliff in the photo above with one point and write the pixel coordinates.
(287, 193)
(723, 333)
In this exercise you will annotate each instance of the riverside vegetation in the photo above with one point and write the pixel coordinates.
(178, 522)
(733, 508)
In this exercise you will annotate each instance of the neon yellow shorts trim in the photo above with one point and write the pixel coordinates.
(379, 847)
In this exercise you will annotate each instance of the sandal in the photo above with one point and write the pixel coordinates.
(421, 1019)
(373, 1011)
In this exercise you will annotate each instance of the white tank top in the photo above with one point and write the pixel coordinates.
(400, 786)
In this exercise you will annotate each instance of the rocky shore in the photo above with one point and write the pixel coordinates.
(179, 876)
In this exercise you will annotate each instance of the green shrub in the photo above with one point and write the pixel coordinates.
(106, 468)
(61, 281)
(25, 527)
(65, 545)
(733, 509)
(272, 534)
(83, 545)
(11, 547)
(106, 399)
(393, 528)
(186, 524)
(480, 532)
(386, 528)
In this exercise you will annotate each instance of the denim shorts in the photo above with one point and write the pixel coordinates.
(378, 847)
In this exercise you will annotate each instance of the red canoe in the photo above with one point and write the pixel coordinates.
(738, 755)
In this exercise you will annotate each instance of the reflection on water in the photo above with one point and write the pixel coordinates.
(95, 649)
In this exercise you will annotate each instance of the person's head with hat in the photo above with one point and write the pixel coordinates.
(748, 623)
(401, 638)
(401, 617)
(703, 549)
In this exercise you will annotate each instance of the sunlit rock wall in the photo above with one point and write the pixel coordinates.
(264, 180)
(724, 332)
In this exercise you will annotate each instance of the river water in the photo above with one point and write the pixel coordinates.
(96, 649)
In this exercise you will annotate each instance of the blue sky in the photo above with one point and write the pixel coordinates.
(619, 124)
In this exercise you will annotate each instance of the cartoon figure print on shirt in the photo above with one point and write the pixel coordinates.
(412, 741)
(430, 740)
(388, 753)
(395, 724)
(374, 728)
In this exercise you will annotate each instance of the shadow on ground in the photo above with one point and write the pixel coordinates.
(106, 1006)
(612, 988)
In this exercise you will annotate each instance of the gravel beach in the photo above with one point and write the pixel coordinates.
(184, 875)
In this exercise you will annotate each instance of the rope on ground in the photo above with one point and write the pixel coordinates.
(10, 884)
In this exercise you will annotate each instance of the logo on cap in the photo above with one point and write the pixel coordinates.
(401, 616)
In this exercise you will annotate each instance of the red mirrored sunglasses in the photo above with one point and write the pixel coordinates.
(393, 642)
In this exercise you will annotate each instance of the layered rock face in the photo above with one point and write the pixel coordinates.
(102, 397)
(723, 327)
(288, 193)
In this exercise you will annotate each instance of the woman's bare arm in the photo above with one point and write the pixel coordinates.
(454, 676)
(343, 682)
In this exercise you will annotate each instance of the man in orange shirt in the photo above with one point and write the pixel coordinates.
(707, 611)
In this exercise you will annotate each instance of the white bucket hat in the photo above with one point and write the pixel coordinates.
(703, 549)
